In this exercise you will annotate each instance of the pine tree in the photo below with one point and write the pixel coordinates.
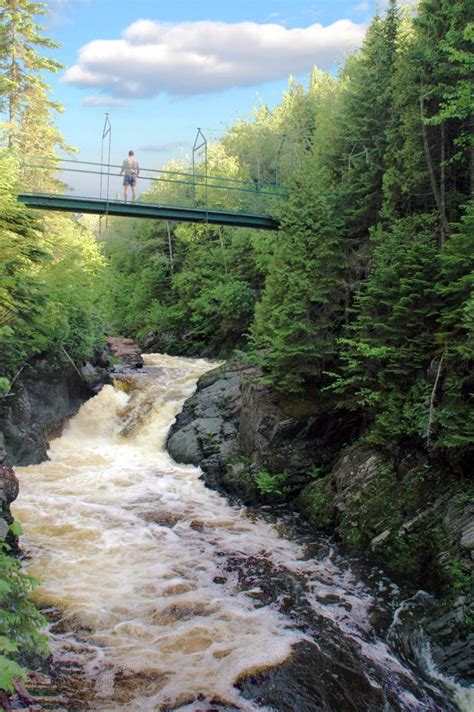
(367, 112)
(21, 66)
(302, 305)
(452, 422)
(388, 347)
(431, 146)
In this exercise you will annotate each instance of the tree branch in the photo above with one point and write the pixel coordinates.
(432, 400)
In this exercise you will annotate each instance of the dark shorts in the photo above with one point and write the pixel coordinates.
(130, 180)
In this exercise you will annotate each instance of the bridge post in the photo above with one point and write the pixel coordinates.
(106, 134)
(196, 148)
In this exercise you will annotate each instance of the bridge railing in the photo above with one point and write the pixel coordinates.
(157, 186)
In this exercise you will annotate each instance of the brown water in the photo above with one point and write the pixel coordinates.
(133, 550)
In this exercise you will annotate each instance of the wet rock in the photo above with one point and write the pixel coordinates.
(94, 376)
(184, 446)
(330, 598)
(313, 680)
(205, 432)
(164, 519)
(8, 485)
(219, 579)
(126, 351)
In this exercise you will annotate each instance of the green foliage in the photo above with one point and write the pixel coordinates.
(20, 621)
(9, 670)
(363, 299)
(269, 484)
(49, 278)
(460, 578)
(24, 91)
(16, 529)
(301, 308)
(385, 352)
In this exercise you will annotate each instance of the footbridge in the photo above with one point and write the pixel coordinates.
(186, 196)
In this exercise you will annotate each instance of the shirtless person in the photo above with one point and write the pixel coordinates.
(130, 171)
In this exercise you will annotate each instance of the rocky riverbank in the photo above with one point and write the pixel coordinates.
(40, 403)
(35, 411)
(408, 515)
(45, 396)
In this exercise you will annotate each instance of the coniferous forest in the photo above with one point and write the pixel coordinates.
(364, 295)
(361, 304)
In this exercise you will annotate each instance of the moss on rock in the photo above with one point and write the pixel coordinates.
(316, 502)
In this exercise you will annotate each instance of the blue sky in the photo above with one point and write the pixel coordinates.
(161, 69)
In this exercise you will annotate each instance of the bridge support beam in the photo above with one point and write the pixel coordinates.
(149, 211)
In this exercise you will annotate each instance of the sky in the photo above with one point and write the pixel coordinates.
(163, 69)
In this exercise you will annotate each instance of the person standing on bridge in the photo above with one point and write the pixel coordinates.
(130, 171)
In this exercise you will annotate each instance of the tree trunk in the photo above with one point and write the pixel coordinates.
(442, 180)
(445, 228)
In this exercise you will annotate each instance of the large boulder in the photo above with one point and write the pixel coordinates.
(126, 351)
(278, 441)
(205, 433)
(234, 430)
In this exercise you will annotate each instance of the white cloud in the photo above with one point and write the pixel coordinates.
(202, 57)
(103, 101)
(164, 147)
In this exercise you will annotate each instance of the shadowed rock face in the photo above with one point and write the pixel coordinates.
(40, 405)
(41, 402)
(276, 441)
(231, 418)
(409, 518)
(44, 398)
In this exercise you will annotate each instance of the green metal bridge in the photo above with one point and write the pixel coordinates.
(151, 211)
(186, 196)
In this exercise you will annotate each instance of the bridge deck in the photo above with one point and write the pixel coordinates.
(151, 211)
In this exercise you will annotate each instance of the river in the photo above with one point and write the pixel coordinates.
(167, 597)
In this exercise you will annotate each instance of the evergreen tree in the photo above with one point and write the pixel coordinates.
(302, 305)
(366, 114)
(389, 346)
(24, 91)
(452, 417)
(430, 148)
(21, 293)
